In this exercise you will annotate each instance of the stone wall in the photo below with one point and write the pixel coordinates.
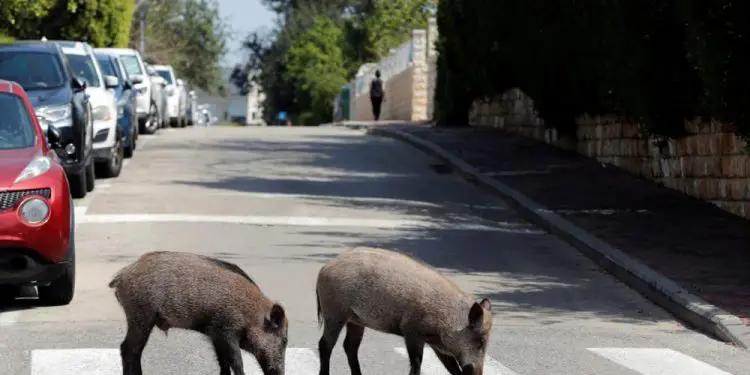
(398, 100)
(711, 163)
(408, 89)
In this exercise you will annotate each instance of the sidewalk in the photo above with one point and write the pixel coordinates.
(700, 247)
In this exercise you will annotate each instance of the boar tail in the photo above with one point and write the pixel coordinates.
(320, 315)
(118, 277)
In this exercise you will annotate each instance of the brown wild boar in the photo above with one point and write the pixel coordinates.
(393, 293)
(189, 291)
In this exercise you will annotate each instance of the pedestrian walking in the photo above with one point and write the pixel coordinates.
(377, 94)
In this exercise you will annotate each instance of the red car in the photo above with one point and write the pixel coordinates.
(37, 224)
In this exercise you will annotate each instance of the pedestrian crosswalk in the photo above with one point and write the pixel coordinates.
(304, 361)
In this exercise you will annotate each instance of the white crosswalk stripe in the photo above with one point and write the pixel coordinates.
(657, 361)
(432, 365)
(304, 361)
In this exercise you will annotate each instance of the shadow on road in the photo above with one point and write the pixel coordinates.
(521, 273)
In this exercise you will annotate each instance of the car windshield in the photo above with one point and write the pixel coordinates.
(165, 74)
(83, 68)
(105, 64)
(16, 126)
(32, 70)
(131, 64)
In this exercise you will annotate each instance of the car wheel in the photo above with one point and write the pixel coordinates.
(61, 290)
(112, 167)
(8, 294)
(152, 121)
(128, 152)
(78, 184)
(90, 177)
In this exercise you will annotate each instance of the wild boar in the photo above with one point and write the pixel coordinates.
(393, 293)
(189, 291)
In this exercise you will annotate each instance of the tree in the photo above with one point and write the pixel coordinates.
(194, 46)
(102, 23)
(315, 63)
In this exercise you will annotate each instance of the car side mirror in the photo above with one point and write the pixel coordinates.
(127, 85)
(53, 135)
(78, 84)
(111, 82)
(137, 79)
(163, 84)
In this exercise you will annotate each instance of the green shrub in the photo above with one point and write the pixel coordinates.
(654, 62)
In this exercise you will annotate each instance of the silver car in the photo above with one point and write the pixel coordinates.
(159, 95)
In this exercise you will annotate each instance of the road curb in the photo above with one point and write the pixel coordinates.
(654, 286)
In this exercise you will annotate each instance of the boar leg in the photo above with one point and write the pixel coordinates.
(449, 362)
(353, 339)
(229, 355)
(331, 331)
(132, 347)
(415, 349)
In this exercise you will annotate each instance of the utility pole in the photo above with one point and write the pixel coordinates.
(141, 8)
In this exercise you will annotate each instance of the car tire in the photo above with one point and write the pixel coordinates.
(151, 124)
(113, 166)
(128, 152)
(8, 294)
(79, 184)
(60, 291)
(90, 177)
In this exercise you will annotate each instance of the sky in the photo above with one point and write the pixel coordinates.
(243, 17)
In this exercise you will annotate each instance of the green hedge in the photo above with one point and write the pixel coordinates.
(654, 62)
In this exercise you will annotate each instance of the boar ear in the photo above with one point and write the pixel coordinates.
(476, 317)
(276, 317)
(485, 303)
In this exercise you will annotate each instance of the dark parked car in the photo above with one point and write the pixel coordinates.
(59, 98)
(126, 98)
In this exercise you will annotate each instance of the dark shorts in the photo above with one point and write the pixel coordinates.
(376, 102)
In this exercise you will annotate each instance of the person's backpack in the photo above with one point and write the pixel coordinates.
(376, 88)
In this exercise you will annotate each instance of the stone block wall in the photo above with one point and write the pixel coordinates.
(408, 93)
(711, 163)
(398, 100)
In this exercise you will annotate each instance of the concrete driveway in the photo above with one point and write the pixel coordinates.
(281, 201)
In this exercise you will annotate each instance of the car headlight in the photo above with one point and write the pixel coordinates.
(55, 113)
(37, 167)
(102, 113)
(34, 211)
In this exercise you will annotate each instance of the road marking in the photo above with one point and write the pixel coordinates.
(75, 362)
(9, 318)
(80, 211)
(432, 365)
(104, 185)
(90, 361)
(657, 361)
(297, 361)
(302, 221)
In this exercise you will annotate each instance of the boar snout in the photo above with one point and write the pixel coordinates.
(269, 344)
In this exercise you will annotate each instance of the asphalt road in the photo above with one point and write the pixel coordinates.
(282, 201)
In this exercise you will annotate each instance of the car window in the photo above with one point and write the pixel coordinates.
(32, 70)
(132, 66)
(105, 64)
(121, 69)
(165, 74)
(16, 126)
(83, 68)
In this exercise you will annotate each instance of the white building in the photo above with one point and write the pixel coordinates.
(243, 109)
